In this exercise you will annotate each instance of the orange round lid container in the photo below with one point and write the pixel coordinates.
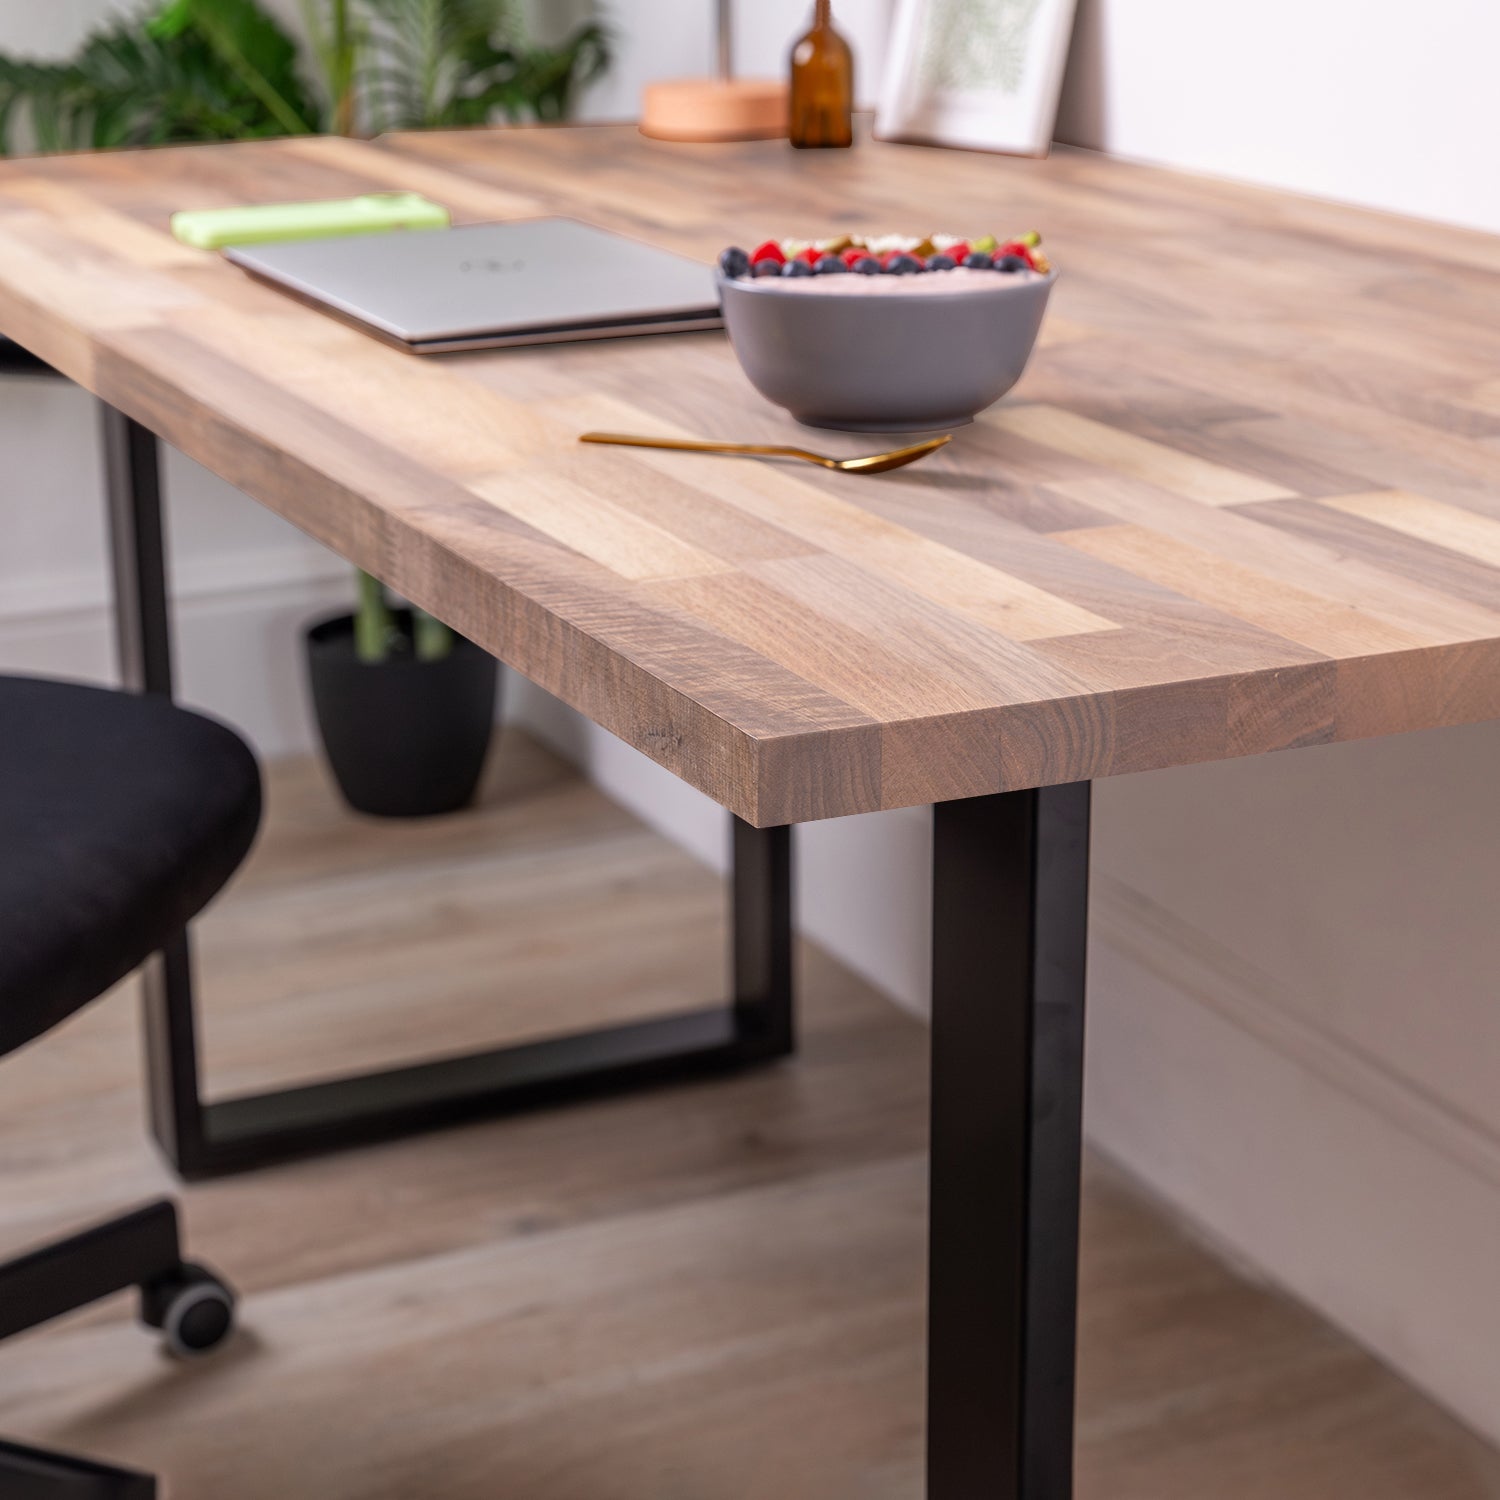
(715, 109)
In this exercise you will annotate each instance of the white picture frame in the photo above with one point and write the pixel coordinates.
(983, 75)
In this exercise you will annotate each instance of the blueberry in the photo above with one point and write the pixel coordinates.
(1011, 263)
(903, 265)
(979, 260)
(796, 268)
(830, 265)
(734, 263)
(766, 268)
(866, 265)
(941, 263)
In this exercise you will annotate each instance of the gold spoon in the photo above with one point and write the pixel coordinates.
(874, 463)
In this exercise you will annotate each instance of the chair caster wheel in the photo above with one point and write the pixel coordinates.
(192, 1307)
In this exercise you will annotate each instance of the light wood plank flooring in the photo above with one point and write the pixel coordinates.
(700, 1294)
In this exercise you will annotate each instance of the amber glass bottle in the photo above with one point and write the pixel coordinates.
(822, 85)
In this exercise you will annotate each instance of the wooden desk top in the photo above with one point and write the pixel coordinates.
(1246, 498)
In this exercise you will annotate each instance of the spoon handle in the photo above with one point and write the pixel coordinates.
(685, 445)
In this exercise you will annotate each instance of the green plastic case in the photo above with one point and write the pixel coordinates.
(214, 228)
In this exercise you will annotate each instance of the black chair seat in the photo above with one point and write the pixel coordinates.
(14, 360)
(120, 818)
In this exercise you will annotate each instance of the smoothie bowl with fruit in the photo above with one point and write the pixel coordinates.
(885, 333)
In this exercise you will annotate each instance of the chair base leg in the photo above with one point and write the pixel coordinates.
(191, 1306)
(32, 1474)
(135, 1249)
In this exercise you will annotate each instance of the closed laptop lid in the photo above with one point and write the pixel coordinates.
(529, 276)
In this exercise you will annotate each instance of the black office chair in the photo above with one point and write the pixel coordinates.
(14, 360)
(120, 818)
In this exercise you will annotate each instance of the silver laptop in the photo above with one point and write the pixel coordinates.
(484, 286)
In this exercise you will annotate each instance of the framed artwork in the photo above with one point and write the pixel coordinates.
(981, 74)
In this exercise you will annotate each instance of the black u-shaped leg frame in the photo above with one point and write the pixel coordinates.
(203, 1139)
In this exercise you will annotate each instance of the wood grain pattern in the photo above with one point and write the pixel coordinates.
(702, 1293)
(1246, 498)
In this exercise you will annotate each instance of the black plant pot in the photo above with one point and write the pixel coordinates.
(405, 738)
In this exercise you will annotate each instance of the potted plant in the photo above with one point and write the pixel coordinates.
(405, 707)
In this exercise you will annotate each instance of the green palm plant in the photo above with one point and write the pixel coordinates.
(407, 64)
(465, 62)
(337, 39)
(210, 70)
(136, 83)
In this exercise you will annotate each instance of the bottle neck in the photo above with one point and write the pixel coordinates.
(823, 16)
(726, 41)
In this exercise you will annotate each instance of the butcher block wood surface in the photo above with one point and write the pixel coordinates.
(1246, 498)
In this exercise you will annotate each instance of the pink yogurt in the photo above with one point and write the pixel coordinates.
(916, 283)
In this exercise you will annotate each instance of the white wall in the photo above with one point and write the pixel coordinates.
(675, 38)
(1296, 963)
(1379, 102)
(1295, 1035)
(1295, 1022)
(45, 30)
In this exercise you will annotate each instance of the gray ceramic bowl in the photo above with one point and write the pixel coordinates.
(884, 363)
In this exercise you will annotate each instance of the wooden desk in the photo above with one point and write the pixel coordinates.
(1247, 499)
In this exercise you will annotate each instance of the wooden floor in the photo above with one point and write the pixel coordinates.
(711, 1292)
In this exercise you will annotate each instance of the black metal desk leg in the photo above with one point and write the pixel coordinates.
(202, 1139)
(761, 941)
(1010, 890)
(132, 487)
(143, 649)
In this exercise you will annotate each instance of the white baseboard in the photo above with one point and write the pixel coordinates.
(1314, 1165)
(244, 580)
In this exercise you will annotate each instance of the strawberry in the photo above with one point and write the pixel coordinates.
(856, 253)
(812, 255)
(1017, 247)
(769, 251)
(960, 252)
